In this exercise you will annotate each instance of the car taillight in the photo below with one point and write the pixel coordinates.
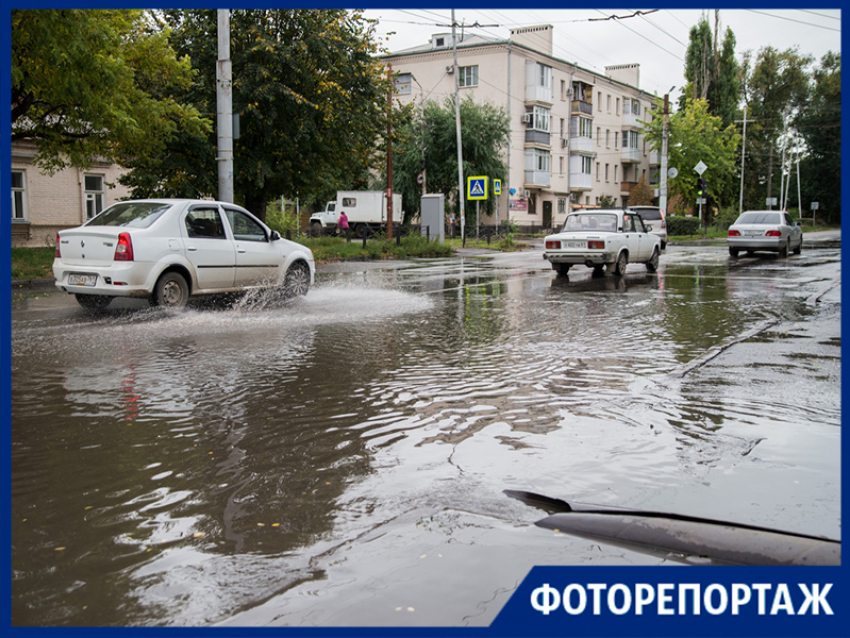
(734, 233)
(773, 233)
(58, 252)
(124, 249)
(595, 244)
(553, 245)
(663, 224)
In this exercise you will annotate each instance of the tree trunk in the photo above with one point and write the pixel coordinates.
(256, 203)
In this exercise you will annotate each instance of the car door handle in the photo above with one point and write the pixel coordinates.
(191, 249)
(241, 250)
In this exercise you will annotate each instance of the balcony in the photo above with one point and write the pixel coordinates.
(580, 181)
(582, 107)
(537, 179)
(630, 120)
(626, 188)
(540, 138)
(654, 158)
(630, 156)
(537, 93)
(581, 145)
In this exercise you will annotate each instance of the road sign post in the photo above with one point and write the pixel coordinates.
(476, 189)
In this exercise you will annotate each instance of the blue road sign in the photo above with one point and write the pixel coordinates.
(476, 187)
(497, 187)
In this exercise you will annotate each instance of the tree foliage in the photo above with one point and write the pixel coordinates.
(485, 131)
(92, 85)
(311, 97)
(695, 135)
(776, 86)
(819, 124)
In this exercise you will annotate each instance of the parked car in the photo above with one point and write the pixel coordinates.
(169, 250)
(769, 230)
(603, 238)
(654, 220)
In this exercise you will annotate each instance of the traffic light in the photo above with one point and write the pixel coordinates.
(700, 187)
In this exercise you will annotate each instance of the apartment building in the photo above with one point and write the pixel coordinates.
(576, 135)
(43, 204)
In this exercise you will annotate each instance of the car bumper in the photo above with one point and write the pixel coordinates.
(757, 243)
(116, 280)
(592, 258)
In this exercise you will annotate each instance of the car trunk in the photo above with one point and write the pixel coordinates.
(88, 246)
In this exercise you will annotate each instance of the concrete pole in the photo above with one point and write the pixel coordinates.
(390, 153)
(662, 186)
(459, 140)
(743, 158)
(224, 109)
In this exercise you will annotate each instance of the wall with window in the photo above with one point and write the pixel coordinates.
(44, 204)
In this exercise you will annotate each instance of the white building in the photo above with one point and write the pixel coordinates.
(576, 135)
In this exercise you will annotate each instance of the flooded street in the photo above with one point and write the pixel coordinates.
(341, 460)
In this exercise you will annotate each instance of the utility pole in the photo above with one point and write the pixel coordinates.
(459, 140)
(662, 186)
(390, 154)
(743, 157)
(224, 109)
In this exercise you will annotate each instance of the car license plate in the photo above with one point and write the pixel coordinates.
(752, 233)
(576, 244)
(82, 280)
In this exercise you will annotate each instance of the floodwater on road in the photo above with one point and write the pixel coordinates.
(340, 460)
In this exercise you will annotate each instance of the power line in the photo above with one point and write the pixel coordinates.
(808, 24)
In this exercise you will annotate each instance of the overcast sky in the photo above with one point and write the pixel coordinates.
(657, 40)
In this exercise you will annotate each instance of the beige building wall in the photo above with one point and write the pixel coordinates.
(49, 203)
(503, 68)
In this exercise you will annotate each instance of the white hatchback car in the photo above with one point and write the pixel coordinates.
(171, 249)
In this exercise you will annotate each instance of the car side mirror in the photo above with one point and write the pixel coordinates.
(274, 236)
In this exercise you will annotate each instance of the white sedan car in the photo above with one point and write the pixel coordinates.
(168, 250)
(603, 238)
(771, 230)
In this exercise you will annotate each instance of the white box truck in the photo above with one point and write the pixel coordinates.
(366, 212)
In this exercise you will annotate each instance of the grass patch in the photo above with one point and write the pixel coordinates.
(337, 248)
(32, 263)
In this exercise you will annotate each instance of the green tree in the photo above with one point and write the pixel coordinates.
(695, 135)
(712, 71)
(819, 124)
(642, 194)
(95, 85)
(485, 131)
(775, 87)
(310, 93)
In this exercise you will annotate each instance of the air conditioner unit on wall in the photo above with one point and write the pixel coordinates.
(450, 69)
(527, 118)
(526, 194)
(565, 141)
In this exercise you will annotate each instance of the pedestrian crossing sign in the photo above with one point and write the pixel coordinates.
(497, 187)
(476, 187)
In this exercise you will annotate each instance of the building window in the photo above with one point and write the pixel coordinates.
(618, 106)
(468, 76)
(19, 196)
(615, 173)
(598, 136)
(581, 127)
(586, 165)
(606, 172)
(403, 84)
(562, 205)
(597, 171)
(538, 160)
(541, 119)
(95, 195)
(609, 103)
(616, 139)
(561, 166)
(563, 90)
(544, 77)
(608, 138)
(630, 139)
(599, 100)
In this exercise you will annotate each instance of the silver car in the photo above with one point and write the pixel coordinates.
(765, 230)
(168, 250)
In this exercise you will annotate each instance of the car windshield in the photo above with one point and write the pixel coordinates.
(130, 214)
(759, 218)
(591, 221)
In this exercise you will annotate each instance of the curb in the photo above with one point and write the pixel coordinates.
(44, 282)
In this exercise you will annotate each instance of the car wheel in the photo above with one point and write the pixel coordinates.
(783, 252)
(93, 303)
(652, 264)
(663, 245)
(622, 263)
(171, 291)
(361, 231)
(561, 269)
(799, 247)
(316, 229)
(733, 252)
(297, 280)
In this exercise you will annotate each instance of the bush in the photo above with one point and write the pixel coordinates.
(726, 217)
(683, 225)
